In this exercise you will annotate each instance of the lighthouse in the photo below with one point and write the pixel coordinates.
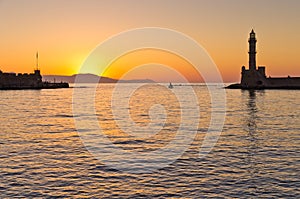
(255, 77)
(252, 51)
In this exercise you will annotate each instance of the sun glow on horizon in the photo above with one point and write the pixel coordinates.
(65, 34)
(152, 64)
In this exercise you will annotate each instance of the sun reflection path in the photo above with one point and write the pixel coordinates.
(144, 38)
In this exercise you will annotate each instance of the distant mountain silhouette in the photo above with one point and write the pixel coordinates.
(91, 78)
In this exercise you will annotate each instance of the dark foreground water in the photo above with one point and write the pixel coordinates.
(256, 156)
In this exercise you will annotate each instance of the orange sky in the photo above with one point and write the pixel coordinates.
(65, 32)
(161, 65)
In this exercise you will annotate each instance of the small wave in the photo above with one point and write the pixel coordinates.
(63, 115)
(131, 142)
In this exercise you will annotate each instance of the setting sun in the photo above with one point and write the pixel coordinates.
(65, 34)
(149, 98)
(154, 59)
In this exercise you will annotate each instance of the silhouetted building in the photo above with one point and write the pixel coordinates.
(13, 80)
(27, 81)
(255, 77)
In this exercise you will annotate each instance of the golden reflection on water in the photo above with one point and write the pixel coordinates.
(256, 155)
(140, 103)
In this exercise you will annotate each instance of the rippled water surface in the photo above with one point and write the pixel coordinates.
(256, 156)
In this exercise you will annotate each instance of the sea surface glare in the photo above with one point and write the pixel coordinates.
(256, 156)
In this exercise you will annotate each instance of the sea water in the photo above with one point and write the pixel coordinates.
(42, 152)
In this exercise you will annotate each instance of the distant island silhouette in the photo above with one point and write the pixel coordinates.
(255, 77)
(16, 81)
(91, 78)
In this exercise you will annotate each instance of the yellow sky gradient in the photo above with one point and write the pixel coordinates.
(65, 32)
(152, 60)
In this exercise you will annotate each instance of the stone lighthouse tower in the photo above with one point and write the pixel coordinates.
(252, 51)
(254, 77)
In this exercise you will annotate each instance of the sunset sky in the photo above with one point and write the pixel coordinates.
(64, 32)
